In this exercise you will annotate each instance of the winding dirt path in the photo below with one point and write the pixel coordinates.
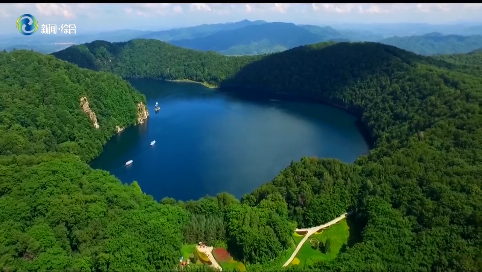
(208, 251)
(311, 231)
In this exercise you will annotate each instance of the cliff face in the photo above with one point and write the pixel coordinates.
(142, 113)
(84, 104)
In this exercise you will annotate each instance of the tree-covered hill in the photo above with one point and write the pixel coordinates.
(154, 59)
(40, 106)
(436, 43)
(472, 59)
(416, 196)
(470, 63)
(57, 214)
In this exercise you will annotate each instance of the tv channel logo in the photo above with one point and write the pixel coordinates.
(27, 24)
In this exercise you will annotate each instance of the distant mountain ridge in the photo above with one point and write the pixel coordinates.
(51, 43)
(436, 43)
(476, 51)
(198, 31)
(260, 39)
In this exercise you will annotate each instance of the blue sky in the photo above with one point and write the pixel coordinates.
(102, 17)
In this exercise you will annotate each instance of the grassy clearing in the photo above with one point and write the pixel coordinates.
(297, 238)
(187, 250)
(338, 234)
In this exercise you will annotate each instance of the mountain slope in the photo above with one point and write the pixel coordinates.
(58, 214)
(44, 112)
(257, 39)
(470, 63)
(198, 31)
(416, 196)
(153, 59)
(436, 43)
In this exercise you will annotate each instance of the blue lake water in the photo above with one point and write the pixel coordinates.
(209, 141)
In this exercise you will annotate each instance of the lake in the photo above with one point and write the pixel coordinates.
(209, 141)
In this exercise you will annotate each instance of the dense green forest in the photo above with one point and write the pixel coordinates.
(471, 61)
(436, 43)
(416, 197)
(154, 59)
(40, 106)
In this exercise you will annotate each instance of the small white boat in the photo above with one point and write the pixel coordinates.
(153, 142)
(129, 162)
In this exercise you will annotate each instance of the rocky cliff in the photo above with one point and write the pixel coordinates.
(142, 113)
(84, 104)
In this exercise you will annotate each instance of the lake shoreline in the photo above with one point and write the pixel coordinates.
(205, 84)
(360, 125)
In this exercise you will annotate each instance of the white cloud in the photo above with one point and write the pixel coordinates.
(62, 10)
(150, 10)
(474, 5)
(177, 9)
(434, 7)
(373, 9)
(248, 8)
(200, 7)
(337, 8)
(280, 7)
(4, 14)
(443, 7)
(423, 8)
(128, 11)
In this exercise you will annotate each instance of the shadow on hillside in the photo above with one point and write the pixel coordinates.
(355, 235)
(321, 73)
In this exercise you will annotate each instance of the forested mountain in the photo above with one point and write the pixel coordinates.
(473, 58)
(154, 59)
(436, 43)
(416, 196)
(470, 63)
(42, 112)
(198, 31)
(260, 39)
